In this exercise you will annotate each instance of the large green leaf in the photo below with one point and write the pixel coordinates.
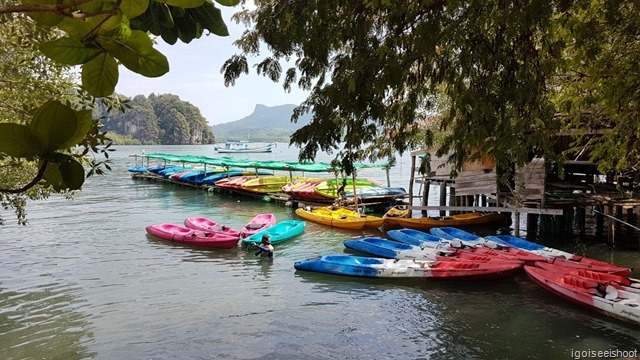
(16, 140)
(72, 174)
(184, 3)
(228, 2)
(75, 28)
(100, 76)
(84, 124)
(69, 51)
(138, 55)
(53, 176)
(53, 124)
(210, 17)
(133, 8)
(105, 23)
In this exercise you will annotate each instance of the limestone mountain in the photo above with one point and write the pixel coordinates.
(265, 124)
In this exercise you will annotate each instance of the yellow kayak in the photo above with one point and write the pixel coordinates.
(370, 220)
(269, 184)
(391, 217)
(326, 216)
(461, 220)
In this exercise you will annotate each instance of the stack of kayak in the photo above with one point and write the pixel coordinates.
(201, 231)
(280, 232)
(469, 219)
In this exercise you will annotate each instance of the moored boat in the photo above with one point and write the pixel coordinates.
(269, 184)
(390, 249)
(243, 146)
(279, 232)
(183, 235)
(470, 219)
(325, 216)
(208, 225)
(331, 188)
(349, 265)
(559, 257)
(258, 223)
(391, 216)
(592, 294)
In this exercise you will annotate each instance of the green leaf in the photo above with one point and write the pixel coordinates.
(184, 3)
(72, 173)
(133, 8)
(53, 124)
(53, 176)
(210, 17)
(107, 22)
(75, 28)
(138, 55)
(100, 76)
(16, 140)
(228, 2)
(84, 124)
(69, 51)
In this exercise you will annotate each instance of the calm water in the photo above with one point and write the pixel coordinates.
(83, 280)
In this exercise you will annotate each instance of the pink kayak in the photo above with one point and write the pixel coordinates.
(204, 224)
(257, 224)
(188, 236)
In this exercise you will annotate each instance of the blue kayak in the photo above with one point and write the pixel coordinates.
(452, 233)
(211, 179)
(414, 237)
(138, 169)
(197, 177)
(388, 249)
(279, 232)
(520, 243)
(404, 269)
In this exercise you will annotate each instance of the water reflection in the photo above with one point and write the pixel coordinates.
(43, 323)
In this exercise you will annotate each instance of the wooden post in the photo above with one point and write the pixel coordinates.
(388, 178)
(581, 214)
(443, 197)
(425, 196)
(355, 193)
(452, 198)
(599, 222)
(411, 179)
(516, 227)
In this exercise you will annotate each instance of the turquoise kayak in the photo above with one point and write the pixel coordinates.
(279, 232)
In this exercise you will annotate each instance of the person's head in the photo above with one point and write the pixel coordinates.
(266, 239)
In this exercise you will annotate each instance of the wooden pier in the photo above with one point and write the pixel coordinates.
(582, 204)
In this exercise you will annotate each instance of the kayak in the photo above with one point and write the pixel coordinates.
(138, 169)
(257, 224)
(397, 250)
(390, 249)
(390, 218)
(415, 237)
(325, 216)
(330, 188)
(369, 220)
(183, 235)
(427, 223)
(211, 179)
(387, 268)
(269, 184)
(633, 284)
(279, 233)
(204, 224)
(616, 301)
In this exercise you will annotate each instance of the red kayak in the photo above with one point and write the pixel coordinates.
(204, 224)
(591, 264)
(258, 223)
(506, 253)
(618, 301)
(613, 279)
(469, 256)
(188, 236)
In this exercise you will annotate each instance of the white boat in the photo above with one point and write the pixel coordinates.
(244, 146)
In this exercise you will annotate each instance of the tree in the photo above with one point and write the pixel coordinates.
(511, 73)
(40, 132)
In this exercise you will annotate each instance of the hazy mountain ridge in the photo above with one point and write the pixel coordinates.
(265, 124)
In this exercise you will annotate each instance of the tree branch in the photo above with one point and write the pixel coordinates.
(31, 184)
(59, 8)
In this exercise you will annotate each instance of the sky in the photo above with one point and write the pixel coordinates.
(194, 75)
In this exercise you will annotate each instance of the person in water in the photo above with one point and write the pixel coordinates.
(265, 248)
